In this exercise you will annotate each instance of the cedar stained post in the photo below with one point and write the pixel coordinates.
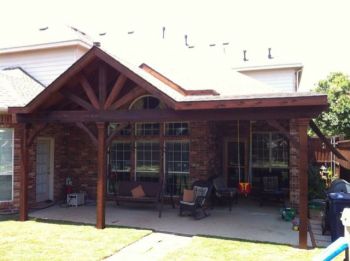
(302, 125)
(101, 175)
(23, 203)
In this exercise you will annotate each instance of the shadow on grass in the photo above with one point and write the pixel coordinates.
(72, 223)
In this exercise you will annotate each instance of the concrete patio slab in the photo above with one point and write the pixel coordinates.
(246, 221)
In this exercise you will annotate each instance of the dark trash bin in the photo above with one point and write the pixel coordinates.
(339, 185)
(337, 203)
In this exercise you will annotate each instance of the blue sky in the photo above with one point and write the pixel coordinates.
(315, 33)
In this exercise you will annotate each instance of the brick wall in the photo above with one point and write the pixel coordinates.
(76, 156)
(204, 150)
(294, 166)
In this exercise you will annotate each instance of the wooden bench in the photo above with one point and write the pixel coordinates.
(153, 193)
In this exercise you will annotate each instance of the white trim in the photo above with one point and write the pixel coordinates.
(52, 165)
(268, 67)
(13, 166)
(45, 46)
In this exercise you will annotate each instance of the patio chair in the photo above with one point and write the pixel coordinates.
(196, 208)
(270, 189)
(222, 192)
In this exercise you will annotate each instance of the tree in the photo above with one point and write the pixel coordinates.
(336, 120)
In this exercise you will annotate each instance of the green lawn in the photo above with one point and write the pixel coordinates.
(50, 240)
(205, 249)
(39, 240)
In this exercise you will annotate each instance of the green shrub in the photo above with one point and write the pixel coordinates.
(317, 185)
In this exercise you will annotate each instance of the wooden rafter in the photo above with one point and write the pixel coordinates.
(275, 124)
(119, 84)
(40, 127)
(115, 133)
(127, 98)
(89, 92)
(74, 98)
(318, 132)
(88, 132)
(102, 84)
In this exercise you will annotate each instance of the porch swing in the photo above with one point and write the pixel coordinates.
(245, 186)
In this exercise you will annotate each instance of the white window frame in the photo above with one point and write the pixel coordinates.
(13, 150)
(136, 151)
(270, 166)
(148, 135)
(174, 136)
(178, 141)
(122, 142)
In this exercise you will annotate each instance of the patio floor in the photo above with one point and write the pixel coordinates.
(246, 221)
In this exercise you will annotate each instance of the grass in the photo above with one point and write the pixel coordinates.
(40, 240)
(55, 240)
(205, 249)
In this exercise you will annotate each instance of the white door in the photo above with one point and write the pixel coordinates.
(43, 169)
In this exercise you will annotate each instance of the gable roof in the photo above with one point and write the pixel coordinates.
(232, 90)
(17, 88)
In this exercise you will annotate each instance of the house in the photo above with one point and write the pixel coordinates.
(105, 115)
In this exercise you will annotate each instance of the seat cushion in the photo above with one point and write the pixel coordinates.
(188, 195)
(138, 192)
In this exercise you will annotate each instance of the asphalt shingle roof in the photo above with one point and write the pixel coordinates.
(17, 88)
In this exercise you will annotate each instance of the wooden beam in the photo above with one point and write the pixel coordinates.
(275, 124)
(140, 81)
(117, 87)
(318, 132)
(102, 84)
(23, 196)
(35, 133)
(89, 91)
(115, 133)
(166, 115)
(127, 98)
(302, 125)
(255, 102)
(74, 98)
(101, 175)
(82, 126)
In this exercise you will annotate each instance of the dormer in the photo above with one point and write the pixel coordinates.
(46, 53)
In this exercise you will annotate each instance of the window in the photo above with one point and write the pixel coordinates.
(176, 128)
(279, 151)
(6, 164)
(270, 150)
(147, 103)
(147, 161)
(120, 155)
(119, 160)
(123, 132)
(260, 150)
(177, 166)
(147, 129)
